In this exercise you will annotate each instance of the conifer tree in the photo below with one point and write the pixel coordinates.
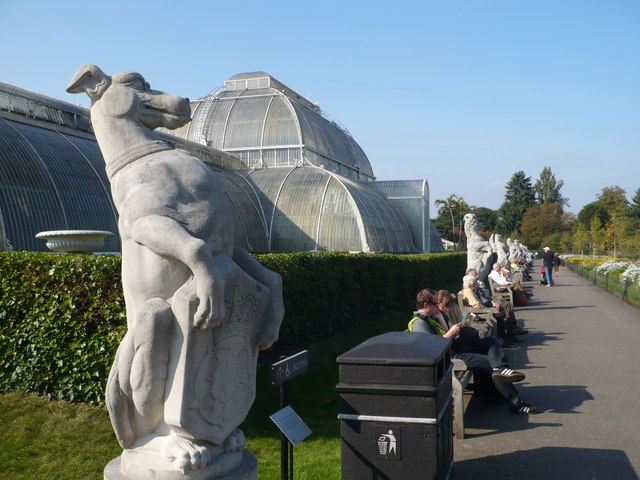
(547, 189)
(519, 196)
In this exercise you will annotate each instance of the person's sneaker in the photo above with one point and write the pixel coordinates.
(520, 331)
(507, 375)
(524, 409)
(548, 285)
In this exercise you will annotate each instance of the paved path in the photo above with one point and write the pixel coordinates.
(582, 361)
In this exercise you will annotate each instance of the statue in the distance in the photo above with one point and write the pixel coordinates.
(198, 307)
(498, 246)
(513, 249)
(478, 249)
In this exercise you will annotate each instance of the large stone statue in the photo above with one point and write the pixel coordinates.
(198, 307)
(478, 249)
(521, 250)
(513, 249)
(498, 246)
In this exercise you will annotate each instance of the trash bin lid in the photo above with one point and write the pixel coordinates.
(398, 348)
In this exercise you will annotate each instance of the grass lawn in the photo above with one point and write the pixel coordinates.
(47, 440)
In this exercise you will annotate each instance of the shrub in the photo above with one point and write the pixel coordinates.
(63, 316)
(61, 319)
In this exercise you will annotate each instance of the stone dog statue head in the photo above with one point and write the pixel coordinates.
(128, 95)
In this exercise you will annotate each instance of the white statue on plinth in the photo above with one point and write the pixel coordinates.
(478, 249)
(198, 308)
(513, 249)
(498, 246)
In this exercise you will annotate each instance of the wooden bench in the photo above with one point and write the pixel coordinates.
(484, 312)
(459, 380)
(461, 376)
(500, 296)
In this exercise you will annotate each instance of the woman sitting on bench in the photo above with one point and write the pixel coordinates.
(483, 356)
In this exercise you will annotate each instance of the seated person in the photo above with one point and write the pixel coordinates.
(501, 284)
(475, 297)
(484, 356)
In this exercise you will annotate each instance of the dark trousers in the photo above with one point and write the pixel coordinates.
(481, 359)
(505, 319)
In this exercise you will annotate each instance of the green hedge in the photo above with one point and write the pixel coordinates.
(62, 316)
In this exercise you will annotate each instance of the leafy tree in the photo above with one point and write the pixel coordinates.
(591, 210)
(547, 189)
(539, 222)
(634, 206)
(615, 233)
(443, 224)
(566, 242)
(518, 198)
(596, 233)
(582, 239)
(487, 218)
(613, 200)
(456, 208)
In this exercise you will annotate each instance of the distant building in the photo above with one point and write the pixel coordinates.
(297, 180)
(448, 245)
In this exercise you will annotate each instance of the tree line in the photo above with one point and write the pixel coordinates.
(534, 213)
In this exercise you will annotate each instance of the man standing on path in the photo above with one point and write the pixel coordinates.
(547, 262)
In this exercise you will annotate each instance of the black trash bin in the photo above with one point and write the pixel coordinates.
(395, 408)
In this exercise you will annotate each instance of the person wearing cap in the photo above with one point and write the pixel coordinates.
(547, 262)
(484, 357)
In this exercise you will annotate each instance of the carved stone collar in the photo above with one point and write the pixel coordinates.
(135, 152)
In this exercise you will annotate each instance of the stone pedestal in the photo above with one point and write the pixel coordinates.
(248, 470)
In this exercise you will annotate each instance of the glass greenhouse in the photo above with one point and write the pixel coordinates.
(313, 170)
(52, 175)
(297, 180)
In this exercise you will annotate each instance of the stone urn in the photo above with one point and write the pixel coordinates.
(75, 241)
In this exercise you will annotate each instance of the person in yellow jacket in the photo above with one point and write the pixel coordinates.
(484, 356)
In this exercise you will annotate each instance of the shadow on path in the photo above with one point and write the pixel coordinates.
(549, 463)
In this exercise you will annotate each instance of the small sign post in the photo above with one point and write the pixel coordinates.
(293, 429)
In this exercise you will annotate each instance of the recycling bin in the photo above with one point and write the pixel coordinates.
(395, 408)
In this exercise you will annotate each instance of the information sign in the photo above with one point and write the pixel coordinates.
(290, 423)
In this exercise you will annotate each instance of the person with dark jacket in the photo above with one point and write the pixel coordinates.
(556, 263)
(547, 262)
(484, 356)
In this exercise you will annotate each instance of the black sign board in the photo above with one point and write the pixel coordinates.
(289, 367)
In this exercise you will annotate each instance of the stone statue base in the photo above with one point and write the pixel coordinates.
(248, 470)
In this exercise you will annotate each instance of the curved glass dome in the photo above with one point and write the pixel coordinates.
(51, 171)
(52, 175)
(269, 125)
(312, 209)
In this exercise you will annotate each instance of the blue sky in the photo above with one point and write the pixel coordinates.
(462, 93)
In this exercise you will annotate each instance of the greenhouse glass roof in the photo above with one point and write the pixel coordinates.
(52, 175)
(269, 125)
(297, 181)
(312, 209)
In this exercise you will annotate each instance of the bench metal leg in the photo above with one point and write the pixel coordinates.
(458, 408)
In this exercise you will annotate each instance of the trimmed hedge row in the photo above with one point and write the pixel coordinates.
(63, 316)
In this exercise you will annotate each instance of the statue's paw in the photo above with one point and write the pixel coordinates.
(235, 442)
(267, 338)
(187, 454)
(210, 313)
